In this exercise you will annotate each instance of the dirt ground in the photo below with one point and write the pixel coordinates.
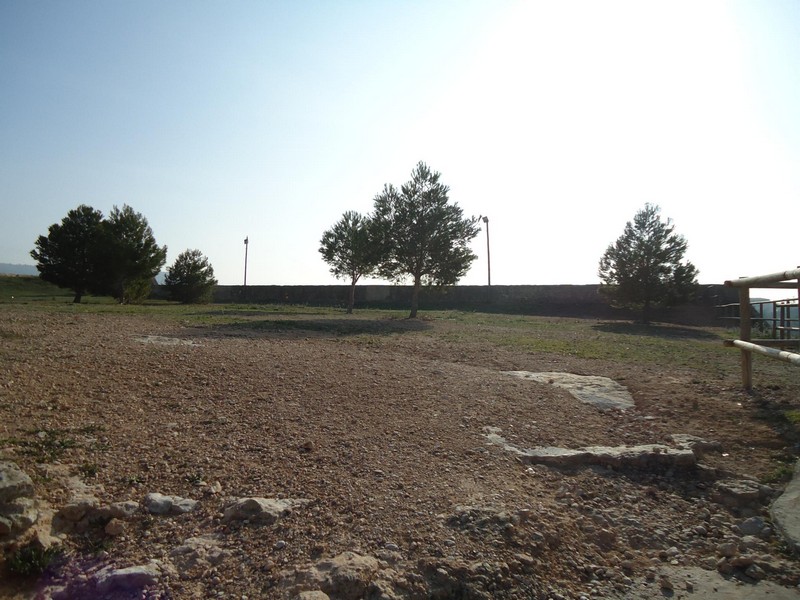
(383, 438)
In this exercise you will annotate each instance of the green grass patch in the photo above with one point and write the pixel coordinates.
(23, 289)
(33, 560)
(793, 416)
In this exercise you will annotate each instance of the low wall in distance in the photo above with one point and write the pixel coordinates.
(544, 300)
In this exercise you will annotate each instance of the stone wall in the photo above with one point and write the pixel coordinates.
(545, 300)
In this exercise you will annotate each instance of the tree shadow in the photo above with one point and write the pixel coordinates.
(651, 330)
(319, 327)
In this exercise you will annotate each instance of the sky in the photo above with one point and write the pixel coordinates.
(268, 120)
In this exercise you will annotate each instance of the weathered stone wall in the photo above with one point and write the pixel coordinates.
(546, 300)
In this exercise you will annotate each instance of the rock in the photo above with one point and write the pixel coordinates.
(602, 392)
(785, 511)
(724, 566)
(751, 526)
(122, 510)
(741, 494)
(159, 504)
(78, 508)
(14, 483)
(130, 578)
(18, 515)
(315, 595)
(605, 538)
(115, 527)
(755, 572)
(18, 508)
(648, 456)
(347, 576)
(664, 583)
(261, 511)
(697, 445)
(727, 549)
(741, 561)
(198, 553)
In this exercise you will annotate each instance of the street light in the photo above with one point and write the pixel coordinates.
(246, 243)
(488, 256)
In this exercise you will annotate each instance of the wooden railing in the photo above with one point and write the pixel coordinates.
(785, 328)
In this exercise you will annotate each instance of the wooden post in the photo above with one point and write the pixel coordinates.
(745, 327)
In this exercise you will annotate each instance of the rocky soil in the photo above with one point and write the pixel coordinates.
(239, 462)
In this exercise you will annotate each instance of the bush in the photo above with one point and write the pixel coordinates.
(32, 560)
(190, 279)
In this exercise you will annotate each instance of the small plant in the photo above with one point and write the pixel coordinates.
(32, 560)
(194, 478)
(781, 474)
(48, 445)
(88, 470)
(793, 416)
(133, 480)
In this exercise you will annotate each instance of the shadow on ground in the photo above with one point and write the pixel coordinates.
(321, 326)
(664, 331)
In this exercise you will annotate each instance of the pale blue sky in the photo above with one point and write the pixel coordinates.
(558, 120)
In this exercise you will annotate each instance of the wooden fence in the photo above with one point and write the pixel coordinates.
(782, 322)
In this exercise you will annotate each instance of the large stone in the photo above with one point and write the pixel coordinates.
(740, 494)
(261, 511)
(602, 392)
(127, 579)
(14, 483)
(198, 553)
(785, 511)
(159, 504)
(78, 508)
(619, 457)
(347, 576)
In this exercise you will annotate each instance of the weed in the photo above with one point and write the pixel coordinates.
(194, 478)
(47, 445)
(32, 560)
(132, 481)
(88, 470)
(793, 416)
(781, 474)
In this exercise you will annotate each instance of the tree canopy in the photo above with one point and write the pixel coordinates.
(69, 255)
(351, 249)
(421, 234)
(190, 279)
(117, 255)
(645, 267)
(132, 258)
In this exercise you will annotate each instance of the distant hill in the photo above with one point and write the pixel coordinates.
(9, 269)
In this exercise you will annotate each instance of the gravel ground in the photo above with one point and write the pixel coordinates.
(383, 439)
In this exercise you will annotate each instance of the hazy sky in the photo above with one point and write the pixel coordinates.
(557, 119)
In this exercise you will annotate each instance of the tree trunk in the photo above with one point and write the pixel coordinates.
(77, 298)
(646, 312)
(415, 297)
(352, 300)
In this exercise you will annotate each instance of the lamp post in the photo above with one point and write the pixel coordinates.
(488, 256)
(246, 243)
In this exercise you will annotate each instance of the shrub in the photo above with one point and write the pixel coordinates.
(190, 279)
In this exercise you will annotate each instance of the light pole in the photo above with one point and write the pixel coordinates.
(246, 243)
(488, 256)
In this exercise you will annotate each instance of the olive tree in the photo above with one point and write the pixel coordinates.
(645, 267)
(351, 249)
(422, 235)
